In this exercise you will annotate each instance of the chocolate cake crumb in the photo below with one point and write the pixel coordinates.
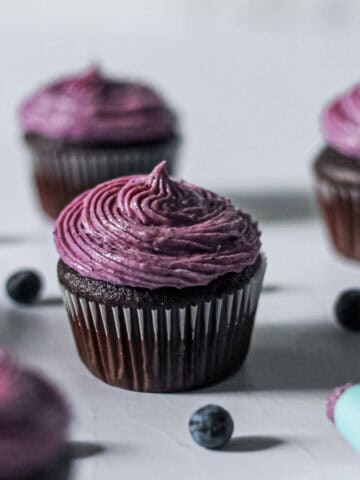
(114, 295)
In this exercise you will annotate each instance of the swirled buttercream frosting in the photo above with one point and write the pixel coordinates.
(340, 123)
(33, 420)
(153, 231)
(89, 107)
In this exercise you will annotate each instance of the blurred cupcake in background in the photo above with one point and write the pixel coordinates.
(34, 421)
(337, 172)
(161, 281)
(84, 129)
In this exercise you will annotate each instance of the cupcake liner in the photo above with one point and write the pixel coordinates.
(62, 173)
(165, 349)
(340, 207)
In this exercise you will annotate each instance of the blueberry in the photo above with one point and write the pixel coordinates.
(24, 286)
(211, 426)
(347, 309)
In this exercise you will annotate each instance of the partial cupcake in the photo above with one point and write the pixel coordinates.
(337, 172)
(34, 421)
(85, 129)
(161, 281)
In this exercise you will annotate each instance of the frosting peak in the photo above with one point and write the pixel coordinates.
(340, 123)
(33, 419)
(90, 107)
(154, 231)
(159, 200)
(91, 76)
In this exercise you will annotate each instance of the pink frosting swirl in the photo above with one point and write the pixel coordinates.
(340, 123)
(154, 231)
(90, 107)
(33, 420)
(333, 398)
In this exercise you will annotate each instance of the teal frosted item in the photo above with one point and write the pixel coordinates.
(347, 416)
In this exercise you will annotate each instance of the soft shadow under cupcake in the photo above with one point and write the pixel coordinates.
(276, 205)
(296, 357)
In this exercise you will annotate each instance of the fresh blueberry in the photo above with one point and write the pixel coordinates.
(211, 427)
(24, 286)
(347, 309)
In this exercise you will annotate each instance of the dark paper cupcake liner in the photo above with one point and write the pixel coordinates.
(63, 172)
(166, 349)
(340, 208)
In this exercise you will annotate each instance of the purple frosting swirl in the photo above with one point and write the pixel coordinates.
(340, 123)
(90, 107)
(33, 420)
(154, 231)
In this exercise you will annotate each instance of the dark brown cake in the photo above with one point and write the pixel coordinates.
(333, 166)
(338, 193)
(337, 171)
(112, 295)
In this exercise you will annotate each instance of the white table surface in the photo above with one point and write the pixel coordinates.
(249, 87)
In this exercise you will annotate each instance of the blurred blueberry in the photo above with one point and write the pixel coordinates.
(347, 309)
(211, 427)
(24, 286)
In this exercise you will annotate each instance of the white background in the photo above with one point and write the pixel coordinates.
(249, 79)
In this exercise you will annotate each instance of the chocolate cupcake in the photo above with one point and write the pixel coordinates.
(161, 281)
(85, 129)
(34, 422)
(337, 172)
